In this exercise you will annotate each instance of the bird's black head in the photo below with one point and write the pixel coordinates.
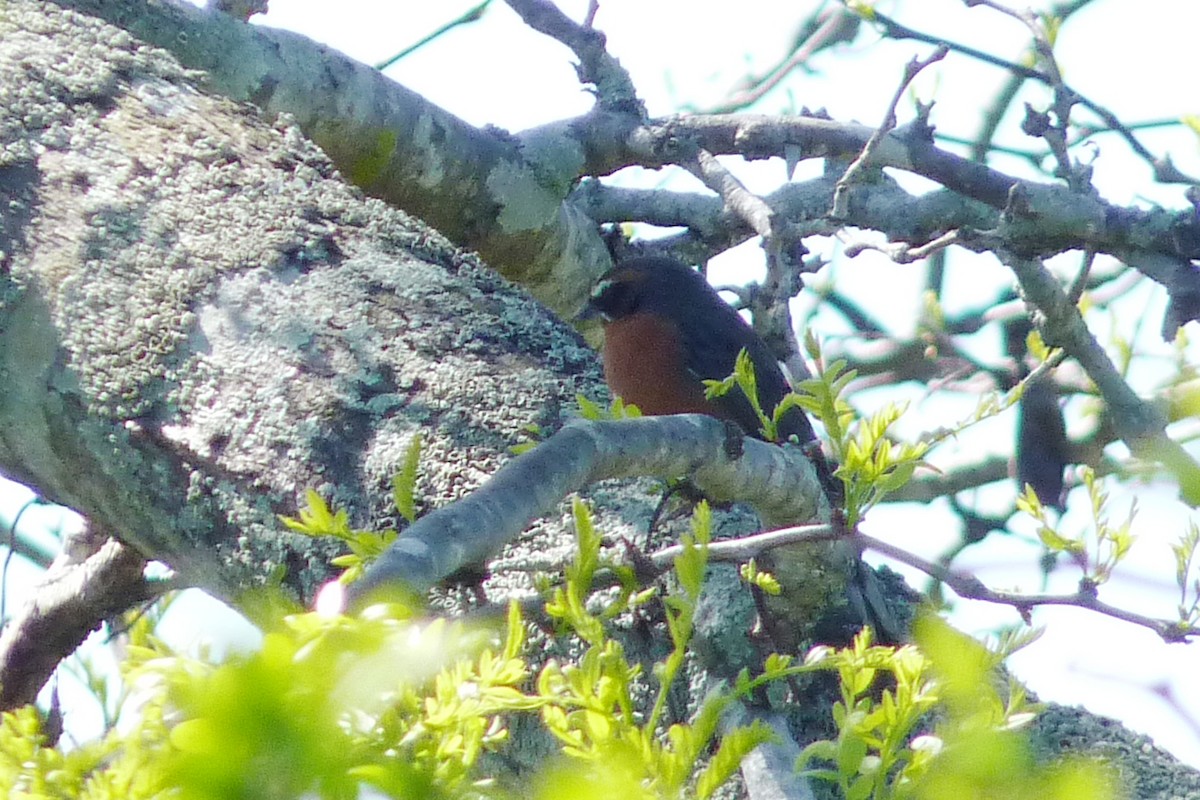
(640, 284)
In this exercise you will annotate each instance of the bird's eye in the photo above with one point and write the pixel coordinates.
(616, 299)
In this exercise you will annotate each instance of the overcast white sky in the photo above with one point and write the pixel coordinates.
(1130, 56)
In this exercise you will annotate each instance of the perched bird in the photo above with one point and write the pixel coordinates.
(666, 331)
(1043, 450)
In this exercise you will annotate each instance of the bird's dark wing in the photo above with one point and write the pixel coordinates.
(712, 334)
(1042, 444)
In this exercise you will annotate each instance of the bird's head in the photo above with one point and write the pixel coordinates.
(640, 284)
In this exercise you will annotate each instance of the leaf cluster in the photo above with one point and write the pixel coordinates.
(944, 725)
(1108, 545)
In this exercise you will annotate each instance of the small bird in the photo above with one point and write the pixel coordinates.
(1043, 449)
(666, 331)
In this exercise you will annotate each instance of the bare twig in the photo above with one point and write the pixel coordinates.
(904, 253)
(737, 198)
(1057, 133)
(1079, 283)
(745, 548)
(864, 323)
(966, 586)
(470, 15)
(896, 30)
(834, 25)
(971, 588)
(913, 68)
(940, 434)
(19, 546)
(614, 88)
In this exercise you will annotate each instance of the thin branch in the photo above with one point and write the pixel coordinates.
(744, 548)
(18, 545)
(903, 252)
(896, 30)
(832, 26)
(863, 322)
(983, 143)
(971, 588)
(1056, 134)
(1079, 283)
(1136, 421)
(470, 15)
(913, 68)
(737, 198)
(614, 88)
(966, 586)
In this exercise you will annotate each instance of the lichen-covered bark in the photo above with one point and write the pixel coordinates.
(494, 193)
(201, 321)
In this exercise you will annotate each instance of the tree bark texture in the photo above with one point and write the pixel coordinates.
(200, 320)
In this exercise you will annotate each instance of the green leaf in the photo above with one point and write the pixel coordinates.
(860, 788)
(589, 409)
(1056, 542)
(850, 753)
(734, 747)
(765, 581)
(316, 519)
(1037, 346)
(405, 481)
(1192, 123)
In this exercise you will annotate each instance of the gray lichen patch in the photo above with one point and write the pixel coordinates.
(222, 323)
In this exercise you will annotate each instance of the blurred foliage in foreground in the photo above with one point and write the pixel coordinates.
(411, 707)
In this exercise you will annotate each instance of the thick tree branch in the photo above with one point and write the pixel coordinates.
(1068, 220)
(183, 370)
(802, 207)
(505, 197)
(75, 596)
(484, 189)
(202, 321)
(778, 481)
